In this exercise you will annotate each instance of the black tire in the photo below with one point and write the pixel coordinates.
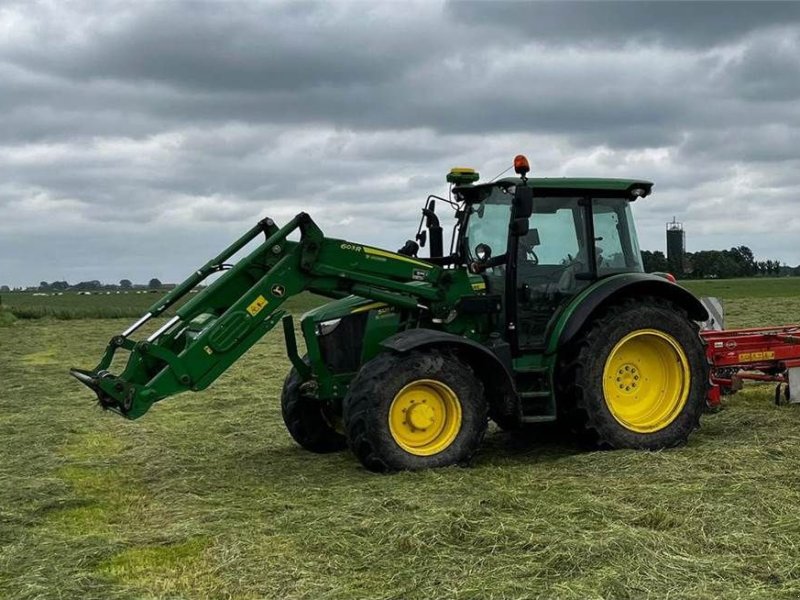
(580, 380)
(372, 394)
(305, 419)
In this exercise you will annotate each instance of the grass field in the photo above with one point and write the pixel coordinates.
(208, 497)
(71, 305)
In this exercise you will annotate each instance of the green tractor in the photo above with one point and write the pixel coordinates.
(539, 311)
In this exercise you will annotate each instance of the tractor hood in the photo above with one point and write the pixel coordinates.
(560, 186)
(341, 308)
(336, 309)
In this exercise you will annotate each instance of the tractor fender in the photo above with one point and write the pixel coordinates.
(493, 369)
(613, 289)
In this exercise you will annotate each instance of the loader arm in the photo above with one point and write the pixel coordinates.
(222, 321)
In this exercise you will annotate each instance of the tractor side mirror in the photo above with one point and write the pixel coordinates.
(483, 252)
(523, 202)
(519, 227)
(410, 248)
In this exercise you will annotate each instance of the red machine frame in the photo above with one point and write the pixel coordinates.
(758, 354)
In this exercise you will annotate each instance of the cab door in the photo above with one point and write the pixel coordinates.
(552, 265)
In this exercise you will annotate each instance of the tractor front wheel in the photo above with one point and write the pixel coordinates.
(306, 420)
(415, 411)
(637, 377)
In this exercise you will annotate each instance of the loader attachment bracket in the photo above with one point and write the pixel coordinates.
(120, 400)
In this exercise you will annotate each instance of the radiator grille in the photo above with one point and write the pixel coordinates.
(341, 349)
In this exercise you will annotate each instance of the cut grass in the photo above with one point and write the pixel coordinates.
(208, 497)
(6, 317)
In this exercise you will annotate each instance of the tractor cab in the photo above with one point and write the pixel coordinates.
(539, 242)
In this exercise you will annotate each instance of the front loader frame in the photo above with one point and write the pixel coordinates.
(222, 321)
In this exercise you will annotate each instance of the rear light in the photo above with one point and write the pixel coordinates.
(668, 276)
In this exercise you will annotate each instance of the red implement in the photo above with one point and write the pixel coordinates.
(759, 354)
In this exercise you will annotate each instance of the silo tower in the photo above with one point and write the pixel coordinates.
(676, 247)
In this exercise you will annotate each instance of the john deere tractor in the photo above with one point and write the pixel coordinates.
(538, 311)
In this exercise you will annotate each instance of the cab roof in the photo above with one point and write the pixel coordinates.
(564, 186)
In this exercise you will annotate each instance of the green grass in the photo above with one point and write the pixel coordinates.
(24, 305)
(208, 497)
(71, 305)
(753, 287)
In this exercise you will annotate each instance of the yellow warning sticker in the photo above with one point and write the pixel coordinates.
(256, 306)
(755, 356)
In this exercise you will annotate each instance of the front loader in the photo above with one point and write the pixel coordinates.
(539, 311)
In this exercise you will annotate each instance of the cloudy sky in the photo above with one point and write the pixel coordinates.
(138, 138)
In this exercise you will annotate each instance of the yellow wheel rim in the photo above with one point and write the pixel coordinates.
(425, 417)
(646, 380)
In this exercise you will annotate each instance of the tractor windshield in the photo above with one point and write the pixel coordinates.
(559, 232)
(488, 223)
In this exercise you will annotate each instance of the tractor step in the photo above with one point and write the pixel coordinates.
(535, 397)
(537, 405)
(540, 370)
(539, 394)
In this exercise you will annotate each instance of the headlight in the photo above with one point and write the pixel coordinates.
(326, 327)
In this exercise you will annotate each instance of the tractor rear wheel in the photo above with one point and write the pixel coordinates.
(637, 377)
(306, 420)
(415, 411)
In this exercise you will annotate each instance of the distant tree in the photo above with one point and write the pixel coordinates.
(743, 256)
(59, 286)
(654, 262)
(4, 288)
(715, 263)
(154, 284)
(44, 286)
(89, 286)
(125, 284)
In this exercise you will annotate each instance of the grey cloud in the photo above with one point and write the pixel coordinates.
(181, 121)
(677, 24)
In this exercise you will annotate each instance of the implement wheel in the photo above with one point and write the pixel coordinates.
(637, 377)
(306, 419)
(416, 411)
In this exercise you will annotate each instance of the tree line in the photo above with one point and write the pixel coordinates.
(93, 285)
(739, 261)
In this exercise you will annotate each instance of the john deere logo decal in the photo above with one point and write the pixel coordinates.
(278, 290)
